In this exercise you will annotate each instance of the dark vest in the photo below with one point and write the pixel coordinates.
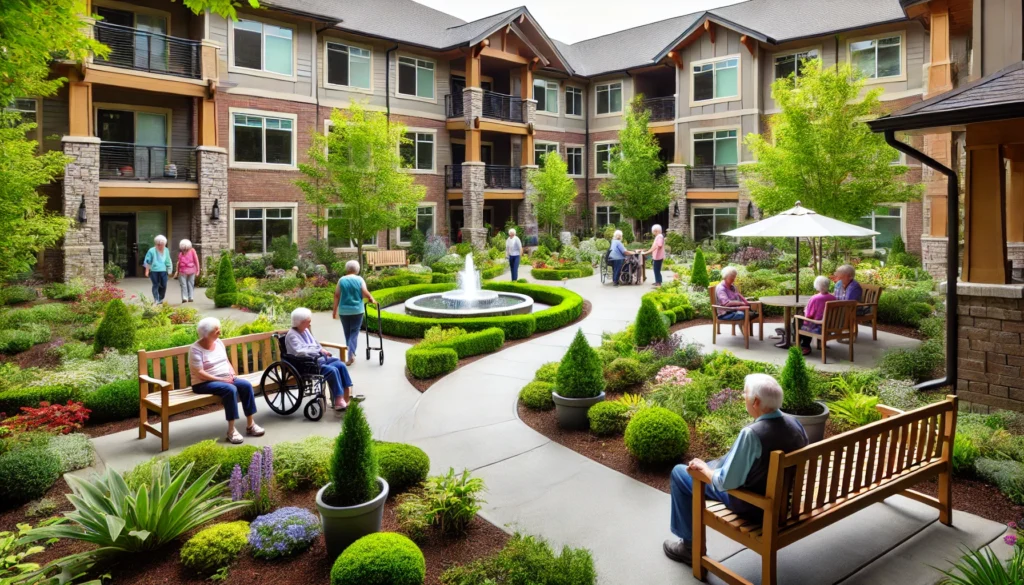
(782, 433)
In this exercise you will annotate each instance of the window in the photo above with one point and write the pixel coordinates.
(418, 152)
(263, 140)
(603, 154)
(878, 58)
(541, 149)
(424, 223)
(348, 66)
(715, 148)
(609, 98)
(711, 222)
(573, 101)
(25, 107)
(606, 214)
(716, 80)
(416, 77)
(574, 160)
(887, 221)
(786, 65)
(263, 47)
(339, 230)
(546, 94)
(256, 227)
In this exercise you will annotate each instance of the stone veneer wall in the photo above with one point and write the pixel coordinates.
(990, 337)
(933, 256)
(83, 250)
(473, 230)
(678, 223)
(527, 219)
(212, 235)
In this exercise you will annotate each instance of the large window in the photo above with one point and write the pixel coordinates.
(256, 227)
(541, 149)
(418, 152)
(573, 101)
(339, 230)
(424, 223)
(887, 221)
(348, 66)
(719, 148)
(546, 94)
(603, 154)
(26, 108)
(263, 47)
(878, 58)
(716, 80)
(263, 140)
(606, 214)
(574, 160)
(416, 77)
(711, 222)
(793, 64)
(609, 98)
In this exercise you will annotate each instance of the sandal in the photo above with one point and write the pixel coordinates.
(805, 351)
(340, 404)
(234, 437)
(255, 430)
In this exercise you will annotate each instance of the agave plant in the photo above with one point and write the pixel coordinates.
(983, 567)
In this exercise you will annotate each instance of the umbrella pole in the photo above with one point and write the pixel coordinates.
(797, 269)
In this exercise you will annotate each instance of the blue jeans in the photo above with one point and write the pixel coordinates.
(334, 371)
(350, 324)
(682, 500)
(513, 265)
(736, 316)
(656, 265)
(159, 280)
(616, 271)
(230, 395)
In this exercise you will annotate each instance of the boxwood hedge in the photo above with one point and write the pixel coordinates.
(432, 360)
(577, 271)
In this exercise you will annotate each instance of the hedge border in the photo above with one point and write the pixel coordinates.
(442, 358)
(559, 274)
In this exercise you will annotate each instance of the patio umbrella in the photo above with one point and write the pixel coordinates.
(797, 223)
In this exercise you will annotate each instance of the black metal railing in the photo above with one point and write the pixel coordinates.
(662, 108)
(148, 51)
(712, 177)
(495, 177)
(453, 105)
(134, 162)
(496, 106)
(453, 176)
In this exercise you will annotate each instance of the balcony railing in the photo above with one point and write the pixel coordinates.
(662, 108)
(140, 50)
(495, 177)
(712, 177)
(453, 176)
(133, 162)
(497, 106)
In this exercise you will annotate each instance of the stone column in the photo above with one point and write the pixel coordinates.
(211, 234)
(529, 111)
(678, 210)
(83, 250)
(473, 229)
(990, 346)
(527, 219)
(472, 105)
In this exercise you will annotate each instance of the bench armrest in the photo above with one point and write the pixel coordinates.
(809, 320)
(750, 498)
(888, 411)
(156, 382)
(342, 348)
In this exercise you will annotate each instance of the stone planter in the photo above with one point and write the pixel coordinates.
(814, 425)
(572, 412)
(345, 525)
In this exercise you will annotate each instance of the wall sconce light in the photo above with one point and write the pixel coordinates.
(81, 211)
(750, 209)
(215, 213)
(675, 210)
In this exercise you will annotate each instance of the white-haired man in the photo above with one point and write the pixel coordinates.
(513, 252)
(299, 341)
(744, 466)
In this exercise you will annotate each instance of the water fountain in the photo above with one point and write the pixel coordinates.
(469, 299)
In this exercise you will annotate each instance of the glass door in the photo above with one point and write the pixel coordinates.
(151, 144)
(118, 37)
(150, 43)
(150, 225)
(118, 233)
(116, 129)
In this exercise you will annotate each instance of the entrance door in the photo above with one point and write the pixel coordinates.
(150, 225)
(151, 43)
(119, 246)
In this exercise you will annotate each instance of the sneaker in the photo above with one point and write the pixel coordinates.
(255, 430)
(234, 437)
(678, 550)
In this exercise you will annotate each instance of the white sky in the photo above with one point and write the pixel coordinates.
(574, 20)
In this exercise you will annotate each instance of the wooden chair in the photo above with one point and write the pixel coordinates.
(379, 258)
(746, 322)
(837, 324)
(821, 484)
(872, 293)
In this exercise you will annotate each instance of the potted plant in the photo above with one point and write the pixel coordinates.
(579, 384)
(798, 398)
(352, 505)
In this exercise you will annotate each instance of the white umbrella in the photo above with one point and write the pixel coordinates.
(797, 223)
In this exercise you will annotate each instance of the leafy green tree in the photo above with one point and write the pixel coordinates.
(638, 186)
(356, 166)
(555, 192)
(699, 273)
(821, 152)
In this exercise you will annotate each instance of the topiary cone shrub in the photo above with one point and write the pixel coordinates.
(116, 330)
(699, 273)
(650, 327)
(226, 291)
(580, 374)
(354, 467)
(798, 397)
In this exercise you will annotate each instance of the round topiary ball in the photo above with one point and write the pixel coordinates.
(657, 435)
(384, 558)
(537, 396)
(402, 466)
(215, 547)
(608, 418)
(623, 373)
(26, 474)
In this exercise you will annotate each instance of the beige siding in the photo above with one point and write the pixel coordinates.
(302, 53)
(727, 43)
(1000, 34)
(607, 122)
(746, 124)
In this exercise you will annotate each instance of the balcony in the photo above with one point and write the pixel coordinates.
(712, 177)
(496, 106)
(495, 177)
(151, 52)
(662, 108)
(133, 162)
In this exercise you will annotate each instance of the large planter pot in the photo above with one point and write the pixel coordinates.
(814, 425)
(347, 524)
(572, 412)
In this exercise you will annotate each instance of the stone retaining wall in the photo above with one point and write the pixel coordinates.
(990, 339)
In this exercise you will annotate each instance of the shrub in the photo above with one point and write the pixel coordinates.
(15, 294)
(283, 532)
(580, 374)
(657, 435)
(449, 502)
(226, 289)
(114, 401)
(1008, 476)
(112, 272)
(623, 373)
(699, 272)
(650, 326)
(202, 455)
(798, 398)
(284, 253)
(354, 466)
(116, 330)
(900, 394)
(965, 454)
(303, 464)
(547, 372)
(74, 451)
(64, 291)
(855, 409)
(913, 364)
(74, 350)
(26, 474)
(215, 547)
(537, 395)
(905, 306)
(527, 560)
(402, 466)
(608, 418)
(42, 507)
(385, 558)
(12, 401)
(51, 418)
(14, 341)
(431, 362)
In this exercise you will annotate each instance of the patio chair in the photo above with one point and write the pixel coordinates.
(836, 325)
(872, 293)
(748, 325)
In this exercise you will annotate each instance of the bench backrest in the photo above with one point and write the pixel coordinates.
(386, 258)
(838, 316)
(247, 353)
(871, 293)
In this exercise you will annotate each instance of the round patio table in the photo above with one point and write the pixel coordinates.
(788, 303)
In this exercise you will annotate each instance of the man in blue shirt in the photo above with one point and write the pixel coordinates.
(744, 466)
(847, 287)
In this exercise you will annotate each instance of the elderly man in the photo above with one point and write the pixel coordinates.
(744, 466)
(726, 295)
(513, 252)
(847, 288)
(299, 341)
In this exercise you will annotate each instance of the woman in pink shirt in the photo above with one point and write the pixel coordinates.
(188, 268)
(816, 310)
(657, 253)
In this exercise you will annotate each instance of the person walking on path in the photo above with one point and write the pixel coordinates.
(158, 264)
(617, 254)
(188, 267)
(513, 251)
(299, 342)
(348, 304)
(212, 373)
(657, 253)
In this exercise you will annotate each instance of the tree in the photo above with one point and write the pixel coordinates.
(821, 152)
(649, 326)
(638, 187)
(699, 273)
(356, 166)
(555, 192)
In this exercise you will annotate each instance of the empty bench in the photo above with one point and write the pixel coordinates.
(823, 483)
(379, 258)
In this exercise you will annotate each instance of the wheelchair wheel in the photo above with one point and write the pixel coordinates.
(282, 388)
(382, 356)
(315, 408)
(367, 352)
(604, 271)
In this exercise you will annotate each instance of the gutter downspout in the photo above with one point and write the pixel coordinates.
(387, 106)
(586, 159)
(952, 257)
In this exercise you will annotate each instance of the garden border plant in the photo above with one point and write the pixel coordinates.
(429, 360)
(577, 271)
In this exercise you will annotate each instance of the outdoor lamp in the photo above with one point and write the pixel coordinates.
(675, 210)
(81, 210)
(750, 209)
(215, 213)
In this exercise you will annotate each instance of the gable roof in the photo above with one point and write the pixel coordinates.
(786, 20)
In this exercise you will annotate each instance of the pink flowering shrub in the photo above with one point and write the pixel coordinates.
(672, 375)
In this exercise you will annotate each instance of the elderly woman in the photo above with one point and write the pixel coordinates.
(513, 252)
(815, 309)
(212, 373)
(847, 288)
(299, 341)
(158, 264)
(657, 253)
(617, 254)
(188, 267)
(348, 303)
(726, 295)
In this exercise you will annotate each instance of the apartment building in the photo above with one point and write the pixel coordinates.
(194, 126)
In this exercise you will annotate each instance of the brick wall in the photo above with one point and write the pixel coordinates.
(991, 353)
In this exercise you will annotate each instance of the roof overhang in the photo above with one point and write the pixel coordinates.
(698, 25)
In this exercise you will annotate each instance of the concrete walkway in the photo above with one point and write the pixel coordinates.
(468, 420)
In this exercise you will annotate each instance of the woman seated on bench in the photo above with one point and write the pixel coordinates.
(212, 373)
(300, 342)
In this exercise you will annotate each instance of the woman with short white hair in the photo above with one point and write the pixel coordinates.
(188, 268)
(727, 295)
(657, 253)
(157, 265)
(513, 253)
(617, 255)
(815, 309)
(212, 373)
(299, 341)
(348, 303)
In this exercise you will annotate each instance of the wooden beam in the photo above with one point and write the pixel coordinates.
(149, 191)
(712, 195)
(146, 81)
(504, 56)
(676, 58)
(1015, 201)
(749, 43)
(985, 217)
(472, 145)
(79, 105)
(710, 28)
(503, 127)
(662, 128)
(526, 83)
(456, 124)
(207, 122)
(527, 158)
(940, 68)
(473, 69)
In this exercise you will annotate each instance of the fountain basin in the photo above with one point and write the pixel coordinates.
(454, 304)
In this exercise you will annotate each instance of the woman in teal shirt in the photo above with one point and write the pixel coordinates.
(348, 303)
(158, 264)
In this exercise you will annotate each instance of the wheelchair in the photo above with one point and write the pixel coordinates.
(287, 382)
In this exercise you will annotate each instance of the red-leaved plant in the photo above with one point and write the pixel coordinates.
(53, 418)
(98, 297)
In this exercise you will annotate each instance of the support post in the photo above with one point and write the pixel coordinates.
(985, 217)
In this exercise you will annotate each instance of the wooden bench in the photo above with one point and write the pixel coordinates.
(379, 258)
(823, 483)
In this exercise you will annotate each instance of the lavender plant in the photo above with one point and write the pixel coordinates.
(257, 486)
(283, 532)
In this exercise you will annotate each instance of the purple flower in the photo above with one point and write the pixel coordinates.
(255, 474)
(1010, 539)
(283, 532)
(722, 398)
(237, 491)
(268, 464)
(1012, 525)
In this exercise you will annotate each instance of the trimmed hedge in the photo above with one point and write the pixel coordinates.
(383, 558)
(432, 360)
(493, 272)
(402, 466)
(578, 271)
(431, 363)
(114, 401)
(11, 401)
(537, 395)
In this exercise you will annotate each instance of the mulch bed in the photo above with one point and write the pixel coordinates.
(38, 356)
